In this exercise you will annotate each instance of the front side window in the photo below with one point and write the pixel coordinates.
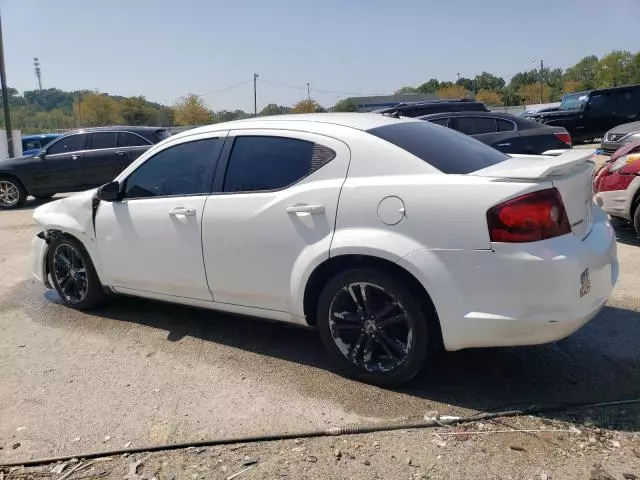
(127, 139)
(261, 163)
(475, 125)
(72, 143)
(441, 121)
(100, 140)
(185, 169)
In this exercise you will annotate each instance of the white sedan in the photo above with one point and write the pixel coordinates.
(392, 236)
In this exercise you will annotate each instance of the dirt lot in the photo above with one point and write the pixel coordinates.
(143, 373)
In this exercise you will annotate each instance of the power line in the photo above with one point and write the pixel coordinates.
(230, 87)
(316, 90)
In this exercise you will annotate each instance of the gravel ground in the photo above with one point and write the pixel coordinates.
(141, 373)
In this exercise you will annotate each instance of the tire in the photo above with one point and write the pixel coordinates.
(44, 197)
(376, 338)
(12, 193)
(636, 220)
(73, 274)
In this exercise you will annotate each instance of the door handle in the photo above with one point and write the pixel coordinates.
(187, 212)
(121, 153)
(503, 144)
(75, 157)
(306, 209)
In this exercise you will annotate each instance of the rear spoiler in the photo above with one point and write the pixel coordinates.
(554, 162)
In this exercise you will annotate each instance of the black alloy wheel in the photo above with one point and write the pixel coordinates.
(73, 274)
(373, 327)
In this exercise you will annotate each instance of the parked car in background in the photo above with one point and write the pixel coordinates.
(620, 136)
(588, 115)
(417, 109)
(32, 144)
(617, 184)
(79, 160)
(528, 113)
(504, 132)
(390, 236)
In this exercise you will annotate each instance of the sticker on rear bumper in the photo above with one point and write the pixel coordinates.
(585, 282)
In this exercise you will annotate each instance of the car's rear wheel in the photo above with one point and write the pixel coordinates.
(372, 327)
(73, 274)
(12, 193)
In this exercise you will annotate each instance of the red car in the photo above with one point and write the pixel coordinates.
(617, 184)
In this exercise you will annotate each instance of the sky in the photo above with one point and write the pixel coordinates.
(164, 49)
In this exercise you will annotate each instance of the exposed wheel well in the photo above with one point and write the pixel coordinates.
(13, 177)
(327, 270)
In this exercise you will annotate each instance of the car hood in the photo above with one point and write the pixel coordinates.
(557, 114)
(73, 214)
(626, 128)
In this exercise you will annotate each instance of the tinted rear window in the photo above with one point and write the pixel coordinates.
(441, 147)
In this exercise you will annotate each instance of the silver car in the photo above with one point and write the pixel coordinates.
(620, 135)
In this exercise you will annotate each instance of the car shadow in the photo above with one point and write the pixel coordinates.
(625, 232)
(598, 363)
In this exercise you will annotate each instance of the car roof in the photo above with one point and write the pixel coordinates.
(358, 121)
(471, 113)
(116, 128)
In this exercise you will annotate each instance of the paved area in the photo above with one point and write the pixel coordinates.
(139, 372)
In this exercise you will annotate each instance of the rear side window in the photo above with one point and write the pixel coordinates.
(441, 121)
(505, 125)
(261, 163)
(475, 125)
(126, 139)
(102, 140)
(72, 143)
(444, 149)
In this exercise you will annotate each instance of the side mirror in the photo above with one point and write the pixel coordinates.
(42, 154)
(109, 192)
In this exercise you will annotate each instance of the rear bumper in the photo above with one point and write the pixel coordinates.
(519, 294)
(618, 202)
(38, 261)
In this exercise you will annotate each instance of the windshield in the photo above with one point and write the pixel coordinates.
(445, 149)
(573, 102)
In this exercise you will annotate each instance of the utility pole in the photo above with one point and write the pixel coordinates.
(36, 66)
(255, 96)
(5, 98)
(309, 97)
(541, 69)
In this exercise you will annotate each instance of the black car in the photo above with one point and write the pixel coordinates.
(505, 132)
(417, 109)
(588, 115)
(79, 160)
(619, 136)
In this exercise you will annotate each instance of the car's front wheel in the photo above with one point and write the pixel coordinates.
(372, 327)
(12, 193)
(636, 220)
(73, 274)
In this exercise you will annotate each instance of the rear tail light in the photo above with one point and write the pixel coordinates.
(535, 216)
(564, 137)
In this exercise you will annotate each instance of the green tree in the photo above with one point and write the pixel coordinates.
(465, 83)
(614, 69)
(634, 69)
(584, 72)
(523, 78)
(190, 110)
(136, 111)
(345, 105)
(488, 81)
(407, 89)
(530, 94)
(430, 86)
(96, 109)
(274, 109)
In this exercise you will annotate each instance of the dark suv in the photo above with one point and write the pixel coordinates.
(588, 115)
(79, 160)
(418, 109)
